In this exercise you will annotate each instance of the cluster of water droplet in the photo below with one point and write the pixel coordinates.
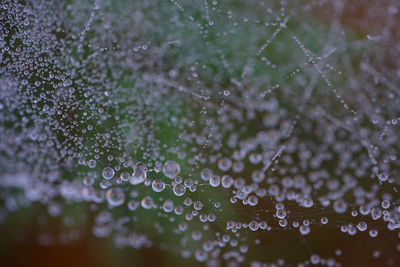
(223, 129)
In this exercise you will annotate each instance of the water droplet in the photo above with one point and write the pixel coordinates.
(108, 173)
(227, 181)
(179, 190)
(125, 176)
(158, 185)
(206, 174)
(215, 181)
(115, 197)
(171, 169)
(147, 203)
(92, 163)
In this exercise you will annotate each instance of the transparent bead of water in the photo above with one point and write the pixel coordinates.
(115, 196)
(373, 233)
(92, 163)
(201, 255)
(179, 190)
(138, 177)
(168, 206)
(227, 181)
(304, 230)
(206, 174)
(188, 201)
(215, 181)
(224, 164)
(253, 225)
(282, 222)
(133, 205)
(362, 226)
(188, 182)
(252, 200)
(108, 173)
(258, 176)
(385, 204)
(140, 167)
(281, 214)
(171, 169)
(197, 205)
(382, 177)
(147, 203)
(125, 176)
(158, 185)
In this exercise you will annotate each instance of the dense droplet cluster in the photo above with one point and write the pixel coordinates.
(224, 124)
